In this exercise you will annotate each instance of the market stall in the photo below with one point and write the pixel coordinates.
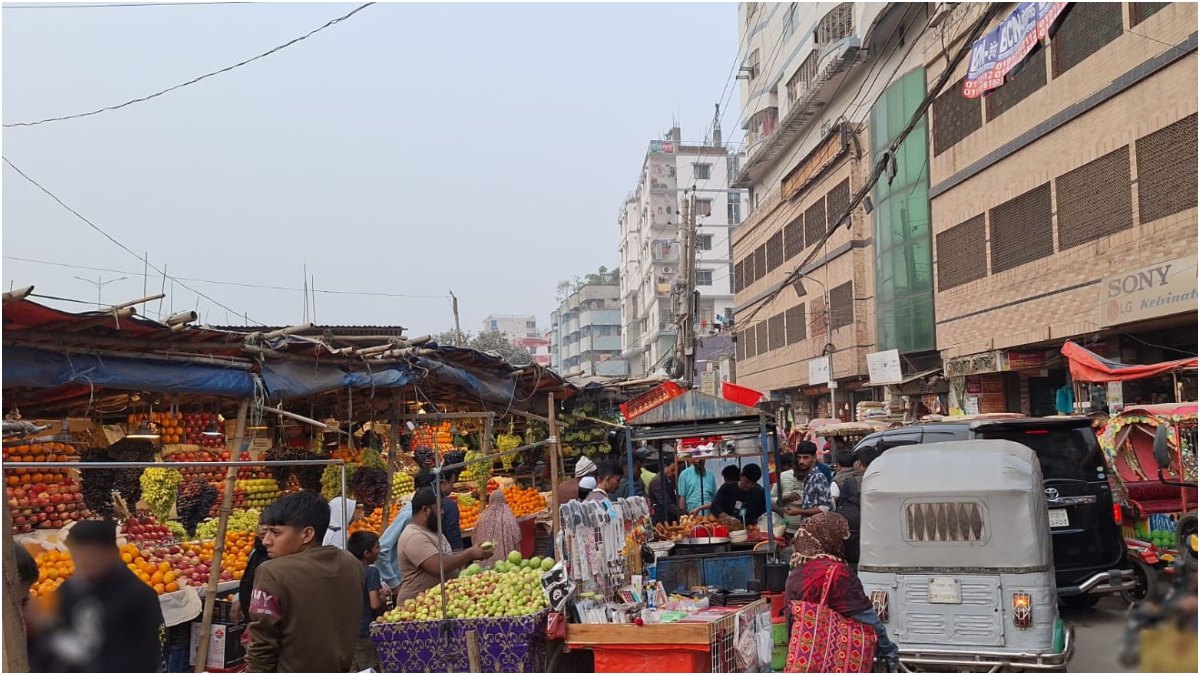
(687, 602)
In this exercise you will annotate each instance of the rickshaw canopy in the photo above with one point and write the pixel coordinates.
(973, 505)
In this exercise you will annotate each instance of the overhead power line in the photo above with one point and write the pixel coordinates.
(128, 4)
(128, 250)
(194, 80)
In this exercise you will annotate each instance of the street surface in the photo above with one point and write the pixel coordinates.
(1098, 633)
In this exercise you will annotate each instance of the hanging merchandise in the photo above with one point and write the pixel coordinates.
(602, 543)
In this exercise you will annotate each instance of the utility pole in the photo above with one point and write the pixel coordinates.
(457, 327)
(685, 339)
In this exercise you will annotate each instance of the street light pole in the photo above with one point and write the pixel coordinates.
(100, 283)
(828, 349)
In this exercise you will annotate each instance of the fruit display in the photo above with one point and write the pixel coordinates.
(432, 436)
(469, 510)
(346, 454)
(53, 568)
(44, 506)
(524, 501)
(492, 485)
(169, 425)
(504, 443)
(374, 521)
(510, 588)
(402, 484)
(307, 477)
(259, 492)
(331, 480)
(196, 499)
(194, 425)
(145, 532)
(240, 520)
(38, 452)
(160, 488)
(370, 487)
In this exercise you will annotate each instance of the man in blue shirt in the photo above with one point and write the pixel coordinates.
(697, 487)
(388, 562)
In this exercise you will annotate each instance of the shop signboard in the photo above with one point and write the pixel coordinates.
(884, 367)
(1002, 49)
(987, 362)
(1026, 360)
(818, 371)
(1157, 290)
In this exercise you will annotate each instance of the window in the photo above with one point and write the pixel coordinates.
(1166, 161)
(798, 83)
(814, 222)
(837, 201)
(704, 277)
(841, 305)
(954, 118)
(703, 207)
(704, 242)
(962, 254)
(793, 238)
(775, 251)
(1095, 200)
(945, 522)
(739, 337)
(751, 342)
(1029, 78)
(734, 208)
(836, 25)
(1140, 11)
(760, 337)
(760, 261)
(752, 64)
(1087, 27)
(776, 335)
(1022, 230)
(531, 325)
(738, 283)
(789, 21)
(795, 324)
(702, 171)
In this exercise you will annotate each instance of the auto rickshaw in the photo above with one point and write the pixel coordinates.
(957, 557)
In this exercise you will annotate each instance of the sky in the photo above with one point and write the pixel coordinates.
(409, 151)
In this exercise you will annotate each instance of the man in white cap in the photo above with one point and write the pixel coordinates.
(569, 489)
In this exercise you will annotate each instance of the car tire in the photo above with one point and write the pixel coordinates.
(1147, 583)
(1085, 601)
(1185, 529)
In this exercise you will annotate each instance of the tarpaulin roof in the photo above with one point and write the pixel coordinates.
(1088, 366)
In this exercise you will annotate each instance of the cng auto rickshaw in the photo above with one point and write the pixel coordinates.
(957, 557)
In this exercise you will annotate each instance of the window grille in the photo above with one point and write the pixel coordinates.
(954, 118)
(794, 318)
(814, 222)
(776, 335)
(1086, 28)
(1021, 230)
(1166, 166)
(793, 238)
(945, 522)
(836, 202)
(962, 254)
(760, 337)
(1140, 11)
(836, 25)
(1030, 78)
(1094, 200)
(775, 251)
(841, 305)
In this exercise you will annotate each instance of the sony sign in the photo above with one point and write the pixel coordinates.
(1158, 290)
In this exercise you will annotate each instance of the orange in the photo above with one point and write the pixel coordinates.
(156, 578)
(126, 558)
(164, 566)
(172, 587)
(168, 577)
(160, 589)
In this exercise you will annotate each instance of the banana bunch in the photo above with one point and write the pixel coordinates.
(505, 442)
(159, 488)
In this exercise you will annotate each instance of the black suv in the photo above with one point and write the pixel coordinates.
(1089, 547)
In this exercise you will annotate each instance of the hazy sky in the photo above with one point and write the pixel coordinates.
(412, 149)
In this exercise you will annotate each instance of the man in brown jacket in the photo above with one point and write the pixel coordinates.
(307, 600)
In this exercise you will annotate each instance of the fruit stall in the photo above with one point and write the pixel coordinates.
(182, 434)
(688, 601)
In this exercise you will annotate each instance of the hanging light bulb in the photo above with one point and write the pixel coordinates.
(64, 434)
(145, 430)
(211, 429)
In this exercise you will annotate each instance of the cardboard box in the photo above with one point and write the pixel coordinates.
(224, 647)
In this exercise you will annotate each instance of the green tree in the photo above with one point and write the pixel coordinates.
(489, 341)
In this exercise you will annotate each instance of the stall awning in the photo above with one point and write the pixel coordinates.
(1088, 366)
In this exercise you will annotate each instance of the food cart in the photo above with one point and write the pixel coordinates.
(845, 435)
(722, 585)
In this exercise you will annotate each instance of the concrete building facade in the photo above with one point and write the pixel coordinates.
(585, 331)
(512, 326)
(1064, 207)
(649, 227)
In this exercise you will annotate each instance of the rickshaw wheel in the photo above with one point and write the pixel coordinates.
(1147, 583)
(1185, 539)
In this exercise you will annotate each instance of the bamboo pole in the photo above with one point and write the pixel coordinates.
(555, 451)
(214, 575)
(16, 658)
(472, 639)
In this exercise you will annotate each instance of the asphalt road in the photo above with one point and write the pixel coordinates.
(1098, 632)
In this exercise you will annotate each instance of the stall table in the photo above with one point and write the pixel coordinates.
(730, 570)
(701, 643)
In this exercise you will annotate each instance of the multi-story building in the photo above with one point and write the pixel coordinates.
(1064, 208)
(1061, 205)
(650, 224)
(811, 80)
(585, 330)
(512, 327)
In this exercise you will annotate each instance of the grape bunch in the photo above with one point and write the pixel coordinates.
(98, 484)
(505, 442)
(160, 487)
(370, 487)
(309, 477)
(196, 497)
(331, 480)
(240, 520)
(425, 457)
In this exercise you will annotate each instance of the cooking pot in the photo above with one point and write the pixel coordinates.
(777, 574)
(701, 545)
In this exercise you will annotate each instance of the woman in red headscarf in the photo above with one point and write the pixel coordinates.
(819, 564)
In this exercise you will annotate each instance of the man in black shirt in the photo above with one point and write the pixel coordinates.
(664, 495)
(728, 500)
(108, 620)
(754, 497)
(741, 497)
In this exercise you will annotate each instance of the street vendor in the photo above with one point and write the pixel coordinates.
(665, 498)
(697, 487)
(425, 553)
(804, 490)
(569, 488)
(451, 519)
(608, 480)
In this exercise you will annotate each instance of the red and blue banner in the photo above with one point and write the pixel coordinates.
(998, 53)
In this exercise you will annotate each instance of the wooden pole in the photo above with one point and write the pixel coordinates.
(472, 639)
(555, 451)
(394, 433)
(214, 575)
(16, 658)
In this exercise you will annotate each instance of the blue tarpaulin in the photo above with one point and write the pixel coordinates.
(28, 367)
(285, 379)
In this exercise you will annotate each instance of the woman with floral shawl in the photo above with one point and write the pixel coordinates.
(499, 526)
(818, 561)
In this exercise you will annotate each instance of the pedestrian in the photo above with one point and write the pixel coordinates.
(307, 600)
(728, 499)
(258, 556)
(388, 563)
(27, 576)
(364, 546)
(697, 488)
(342, 512)
(608, 480)
(569, 488)
(108, 620)
(425, 556)
(754, 497)
(848, 500)
(819, 570)
(804, 490)
(635, 485)
(664, 496)
(451, 518)
(498, 525)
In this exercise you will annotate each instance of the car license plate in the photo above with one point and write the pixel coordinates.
(1058, 518)
(944, 591)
